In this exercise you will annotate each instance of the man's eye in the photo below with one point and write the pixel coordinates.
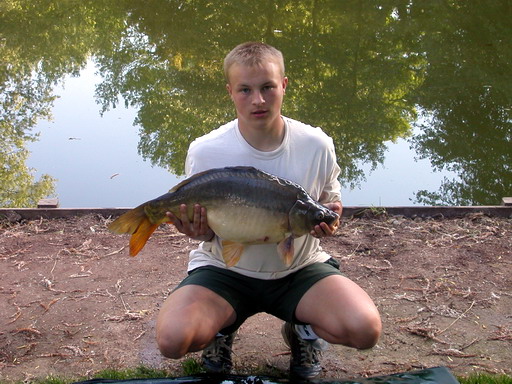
(245, 90)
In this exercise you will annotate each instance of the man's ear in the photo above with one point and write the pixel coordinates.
(285, 83)
(230, 90)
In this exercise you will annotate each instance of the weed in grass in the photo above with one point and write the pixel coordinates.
(483, 378)
(191, 367)
(53, 380)
(140, 372)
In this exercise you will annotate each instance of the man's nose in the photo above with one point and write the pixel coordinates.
(257, 98)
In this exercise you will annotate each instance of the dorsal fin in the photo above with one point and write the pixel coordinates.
(187, 181)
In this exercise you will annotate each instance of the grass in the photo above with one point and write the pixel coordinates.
(483, 378)
(140, 372)
(191, 367)
(136, 373)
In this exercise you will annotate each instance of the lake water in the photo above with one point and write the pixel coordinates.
(417, 97)
(94, 158)
(96, 163)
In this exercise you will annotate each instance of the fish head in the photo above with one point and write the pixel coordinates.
(305, 214)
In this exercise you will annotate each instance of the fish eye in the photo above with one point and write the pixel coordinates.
(319, 216)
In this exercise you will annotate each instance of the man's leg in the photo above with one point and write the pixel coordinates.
(340, 312)
(334, 309)
(190, 319)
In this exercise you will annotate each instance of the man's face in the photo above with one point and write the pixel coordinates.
(257, 93)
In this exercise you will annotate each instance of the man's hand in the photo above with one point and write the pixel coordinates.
(198, 229)
(323, 229)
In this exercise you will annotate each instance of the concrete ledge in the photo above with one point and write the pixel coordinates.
(17, 214)
(433, 211)
(48, 203)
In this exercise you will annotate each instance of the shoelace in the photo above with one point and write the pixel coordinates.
(309, 353)
(215, 350)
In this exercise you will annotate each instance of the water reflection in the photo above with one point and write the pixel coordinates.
(362, 70)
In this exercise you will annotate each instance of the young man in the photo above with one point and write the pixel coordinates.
(317, 303)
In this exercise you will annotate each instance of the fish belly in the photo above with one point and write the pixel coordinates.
(247, 225)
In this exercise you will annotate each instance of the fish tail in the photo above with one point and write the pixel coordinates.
(141, 236)
(136, 223)
(129, 221)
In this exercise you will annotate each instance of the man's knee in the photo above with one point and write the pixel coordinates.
(366, 331)
(361, 332)
(175, 345)
(171, 345)
(175, 339)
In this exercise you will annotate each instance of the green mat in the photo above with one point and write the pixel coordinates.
(436, 375)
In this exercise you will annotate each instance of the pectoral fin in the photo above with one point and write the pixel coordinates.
(231, 252)
(286, 250)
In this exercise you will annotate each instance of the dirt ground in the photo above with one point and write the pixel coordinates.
(72, 302)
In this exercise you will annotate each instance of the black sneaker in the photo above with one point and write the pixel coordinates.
(305, 361)
(217, 356)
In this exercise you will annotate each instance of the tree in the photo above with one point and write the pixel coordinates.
(466, 99)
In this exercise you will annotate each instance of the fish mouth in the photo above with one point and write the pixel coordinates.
(331, 217)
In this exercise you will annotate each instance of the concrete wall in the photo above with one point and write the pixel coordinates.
(17, 214)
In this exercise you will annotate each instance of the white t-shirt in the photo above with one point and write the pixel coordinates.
(306, 156)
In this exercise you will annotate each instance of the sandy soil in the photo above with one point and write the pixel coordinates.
(72, 302)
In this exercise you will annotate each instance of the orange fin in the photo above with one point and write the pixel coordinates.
(231, 252)
(134, 222)
(129, 221)
(141, 236)
(286, 250)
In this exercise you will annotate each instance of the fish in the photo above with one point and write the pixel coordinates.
(244, 206)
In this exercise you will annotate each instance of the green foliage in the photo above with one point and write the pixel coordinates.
(363, 71)
(18, 188)
(465, 99)
(17, 185)
(484, 378)
(191, 367)
(337, 82)
(53, 380)
(40, 43)
(140, 372)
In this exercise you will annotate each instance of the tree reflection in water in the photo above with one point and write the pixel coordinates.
(363, 71)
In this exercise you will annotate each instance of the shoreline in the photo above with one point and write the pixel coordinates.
(438, 212)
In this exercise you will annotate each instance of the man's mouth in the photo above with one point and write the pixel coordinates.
(259, 113)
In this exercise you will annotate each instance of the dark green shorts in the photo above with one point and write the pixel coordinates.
(249, 296)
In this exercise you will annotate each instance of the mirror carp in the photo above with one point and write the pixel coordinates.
(244, 206)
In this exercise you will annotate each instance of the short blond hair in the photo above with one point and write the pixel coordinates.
(252, 53)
